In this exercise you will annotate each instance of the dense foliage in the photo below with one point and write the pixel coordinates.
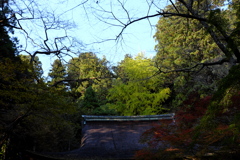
(138, 92)
(183, 43)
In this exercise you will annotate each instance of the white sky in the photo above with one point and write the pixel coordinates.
(90, 28)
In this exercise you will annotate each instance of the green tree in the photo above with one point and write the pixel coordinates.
(35, 67)
(8, 60)
(89, 71)
(30, 111)
(183, 43)
(8, 47)
(142, 93)
(89, 102)
(33, 116)
(57, 74)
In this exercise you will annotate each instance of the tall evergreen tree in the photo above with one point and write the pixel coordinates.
(58, 73)
(89, 66)
(183, 43)
(89, 102)
(35, 67)
(7, 21)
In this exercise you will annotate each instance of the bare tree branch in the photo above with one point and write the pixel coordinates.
(174, 6)
(164, 14)
(201, 65)
(81, 80)
(37, 25)
(221, 40)
(134, 21)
